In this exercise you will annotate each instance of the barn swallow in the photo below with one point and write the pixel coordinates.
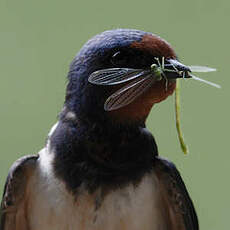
(100, 168)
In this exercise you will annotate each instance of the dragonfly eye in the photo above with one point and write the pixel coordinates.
(153, 66)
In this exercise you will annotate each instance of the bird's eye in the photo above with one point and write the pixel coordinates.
(131, 59)
(118, 59)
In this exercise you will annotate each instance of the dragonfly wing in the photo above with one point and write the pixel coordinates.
(205, 81)
(115, 76)
(196, 68)
(129, 93)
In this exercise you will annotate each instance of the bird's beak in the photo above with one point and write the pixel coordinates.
(174, 69)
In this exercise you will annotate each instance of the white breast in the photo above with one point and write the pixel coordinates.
(52, 207)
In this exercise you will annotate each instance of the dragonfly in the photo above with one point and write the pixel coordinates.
(140, 80)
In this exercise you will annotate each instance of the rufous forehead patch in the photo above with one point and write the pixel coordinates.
(155, 45)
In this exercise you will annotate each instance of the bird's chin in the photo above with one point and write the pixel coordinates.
(161, 90)
(139, 109)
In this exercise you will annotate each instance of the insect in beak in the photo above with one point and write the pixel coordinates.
(140, 80)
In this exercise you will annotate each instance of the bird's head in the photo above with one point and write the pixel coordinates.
(120, 48)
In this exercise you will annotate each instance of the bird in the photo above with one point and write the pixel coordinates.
(101, 169)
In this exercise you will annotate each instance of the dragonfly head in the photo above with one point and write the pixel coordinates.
(156, 71)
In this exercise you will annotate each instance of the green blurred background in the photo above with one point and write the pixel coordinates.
(38, 40)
